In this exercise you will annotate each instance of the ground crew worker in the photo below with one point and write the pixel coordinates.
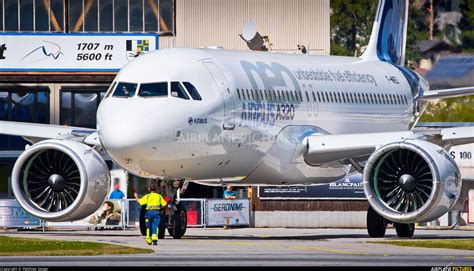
(153, 202)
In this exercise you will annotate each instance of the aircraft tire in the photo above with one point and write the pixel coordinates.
(162, 226)
(179, 223)
(376, 224)
(142, 222)
(405, 230)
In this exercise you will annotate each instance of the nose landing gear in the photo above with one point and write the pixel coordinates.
(173, 216)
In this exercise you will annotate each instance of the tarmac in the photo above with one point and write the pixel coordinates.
(255, 247)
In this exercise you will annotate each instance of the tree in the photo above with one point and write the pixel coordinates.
(467, 24)
(352, 21)
(417, 30)
(351, 25)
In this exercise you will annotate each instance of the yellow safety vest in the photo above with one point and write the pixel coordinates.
(153, 201)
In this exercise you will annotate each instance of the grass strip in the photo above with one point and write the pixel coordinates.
(13, 246)
(464, 244)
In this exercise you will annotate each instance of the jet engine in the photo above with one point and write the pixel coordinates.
(60, 180)
(411, 181)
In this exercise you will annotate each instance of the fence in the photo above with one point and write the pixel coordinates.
(122, 214)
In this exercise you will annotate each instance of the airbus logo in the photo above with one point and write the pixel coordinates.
(3, 48)
(192, 120)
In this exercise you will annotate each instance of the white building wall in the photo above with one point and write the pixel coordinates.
(287, 23)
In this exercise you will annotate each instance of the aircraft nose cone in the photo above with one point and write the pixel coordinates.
(118, 127)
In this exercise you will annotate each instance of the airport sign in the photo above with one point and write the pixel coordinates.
(71, 52)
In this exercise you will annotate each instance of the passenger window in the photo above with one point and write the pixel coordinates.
(193, 91)
(319, 97)
(125, 90)
(238, 94)
(307, 96)
(253, 95)
(178, 91)
(314, 96)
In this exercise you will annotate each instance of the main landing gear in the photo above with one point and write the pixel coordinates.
(173, 216)
(377, 225)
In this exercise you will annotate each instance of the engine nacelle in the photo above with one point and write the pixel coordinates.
(411, 181)
(60, 180)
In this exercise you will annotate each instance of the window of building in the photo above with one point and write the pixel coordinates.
(121, 16)
(78, 105)
(22, 104)
(159, 89)
(178, 91)
(32, 15)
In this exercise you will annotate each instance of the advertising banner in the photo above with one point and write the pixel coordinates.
(71, 52)
(12, 215)
(109, 215)
(347, 188)
(225, 212)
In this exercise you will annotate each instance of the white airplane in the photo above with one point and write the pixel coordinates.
(214, 115)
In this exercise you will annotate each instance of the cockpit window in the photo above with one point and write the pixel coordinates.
(111, 89)
(192, 91)
(153, 89)
(125, 90)
(177, 90)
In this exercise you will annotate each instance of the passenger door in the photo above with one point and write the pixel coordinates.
(223, 85)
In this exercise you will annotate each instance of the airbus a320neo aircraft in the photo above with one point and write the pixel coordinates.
(214, 115)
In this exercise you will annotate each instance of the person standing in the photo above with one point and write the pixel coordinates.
(229, 194)
(153, 202)
(117, 193)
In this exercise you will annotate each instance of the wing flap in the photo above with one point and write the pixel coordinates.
(458, 135)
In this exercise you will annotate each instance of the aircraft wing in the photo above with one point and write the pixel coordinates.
(447, 93)
(35, 132)
(329, 148)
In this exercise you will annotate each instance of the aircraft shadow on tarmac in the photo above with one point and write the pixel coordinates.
(308, 237)
(318, 237)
